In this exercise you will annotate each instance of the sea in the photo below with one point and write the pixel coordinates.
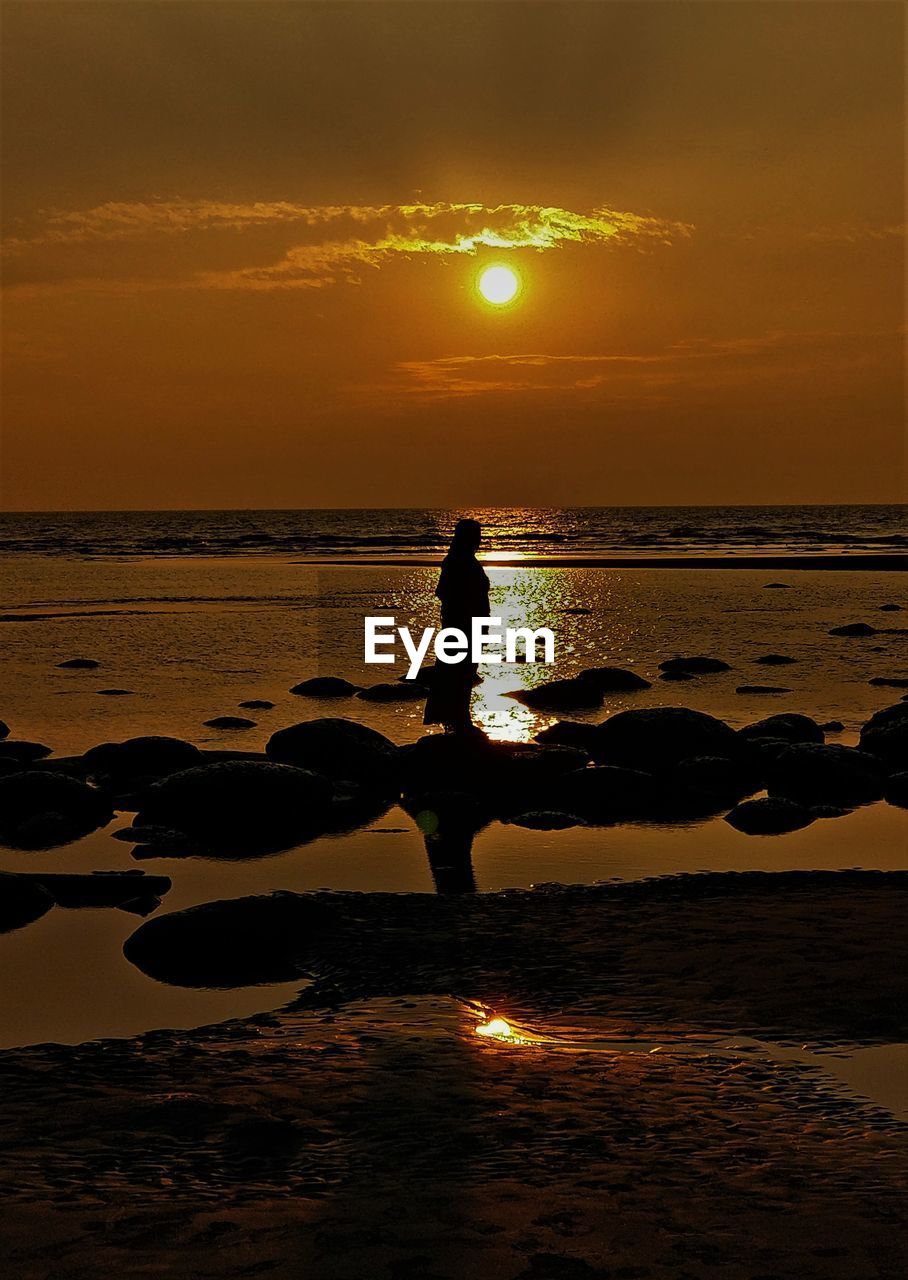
(535, 531)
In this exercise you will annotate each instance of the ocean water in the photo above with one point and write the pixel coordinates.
(527, 530)
(190, 636)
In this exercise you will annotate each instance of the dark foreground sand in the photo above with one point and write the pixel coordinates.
(369, 1132)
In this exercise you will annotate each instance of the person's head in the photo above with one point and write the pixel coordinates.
(467, 535)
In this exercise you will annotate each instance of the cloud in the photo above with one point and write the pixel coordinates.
(691, 361)
(333, 243)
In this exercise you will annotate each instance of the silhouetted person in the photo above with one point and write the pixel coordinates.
(463, 589)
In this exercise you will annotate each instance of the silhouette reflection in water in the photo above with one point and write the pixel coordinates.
(449, 822)
(463, 589)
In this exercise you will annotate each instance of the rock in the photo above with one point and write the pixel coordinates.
(324, 687)
(23, 752)
(99, 888)
(467, 763)
(774, 660)
(339, 749)
(547, 820)
(229, 722)
(769, 816)
(854, 629)
(607, 793)
(889, 682)
(654, 738)
(715, 776)
(79, 664)
(115, 693)
(697, 666)
(140, 758)
(397, 692)
(889, 608)
(4, 729)
(613, 679)
(761, 688)
(777, 586)
(40, 810)
(886, 735)
(787, 727)
(832, 726)
(256, 704)
(21, 902)
(812, 774)
(528, 771)
(896, 790)
(233, 943)
(569, 733)
(678, 676)
(240, 806)
(577, 612)
(561, 695)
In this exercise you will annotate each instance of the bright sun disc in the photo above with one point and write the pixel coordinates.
(498, 285)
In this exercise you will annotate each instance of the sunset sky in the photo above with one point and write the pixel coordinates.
(242, 243)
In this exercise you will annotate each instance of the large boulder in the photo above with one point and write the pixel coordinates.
(609, 794)
(654, 738)
(884, 735)
(234, 943)
(4, 729)
(239, 806)
(613, 679)
(468, 763)
(814, 775)
(714, 776)
(774, 660)
(21, 902)
(529, 772)
(769, 816)
(138, 759)
(788, 726)
(40, 809)
(695, 666)
(561, 695)
(338, 749)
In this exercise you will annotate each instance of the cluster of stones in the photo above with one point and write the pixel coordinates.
(655, 764)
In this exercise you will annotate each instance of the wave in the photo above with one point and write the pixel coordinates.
(346, 534)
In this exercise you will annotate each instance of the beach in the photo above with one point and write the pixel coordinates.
(702, 1068)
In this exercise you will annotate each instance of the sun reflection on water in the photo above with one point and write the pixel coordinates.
(521, 598)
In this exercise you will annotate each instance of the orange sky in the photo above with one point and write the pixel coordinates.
(242, 242)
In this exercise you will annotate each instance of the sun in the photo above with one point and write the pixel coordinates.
(499, 285)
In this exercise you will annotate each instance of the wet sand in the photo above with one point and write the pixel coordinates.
(368, 1131)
